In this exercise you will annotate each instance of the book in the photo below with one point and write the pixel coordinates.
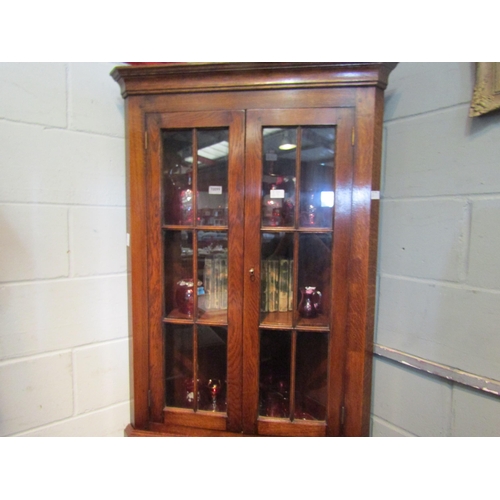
(208, 283)
(283, 285)
(263, 287)
(273, 285)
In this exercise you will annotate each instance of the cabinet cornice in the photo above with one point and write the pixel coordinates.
(218, 77)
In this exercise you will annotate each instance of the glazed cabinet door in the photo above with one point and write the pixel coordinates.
(195, 258)
(297, 240)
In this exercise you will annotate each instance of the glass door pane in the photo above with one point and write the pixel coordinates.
(296, 248)
(274, 386)
(316, 177)
(213, 149)
(314, 279)
(177, 177)
(277, 299)
(195, 271)
(212, 367)
(278, 177)
(311, 376)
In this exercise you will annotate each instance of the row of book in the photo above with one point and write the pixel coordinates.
(276, 285)
(215, 283)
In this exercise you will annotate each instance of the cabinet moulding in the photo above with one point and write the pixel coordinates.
(218, 77)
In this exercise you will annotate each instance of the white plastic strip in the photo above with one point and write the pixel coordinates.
(443, 371)
(375, 195)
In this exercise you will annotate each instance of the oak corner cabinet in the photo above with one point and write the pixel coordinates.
(253, 213)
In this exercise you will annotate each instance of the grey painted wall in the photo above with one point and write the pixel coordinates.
(439, 265)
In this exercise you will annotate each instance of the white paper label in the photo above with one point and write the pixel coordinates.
(277, 193)
(214, 189)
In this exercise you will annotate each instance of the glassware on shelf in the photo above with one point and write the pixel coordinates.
(272, 206)
(189, 396)
(310, 302)
(184, 295)
(308, 214)
(276, 405)
(214, 386)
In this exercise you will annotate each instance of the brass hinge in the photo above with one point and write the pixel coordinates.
(145, 140)
(352, 136)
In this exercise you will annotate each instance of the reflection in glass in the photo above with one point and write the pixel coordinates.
(212, 363)
(278, 179)
(177, 176)
(314, 277)
(213, 150)
(274, 381)
(178, 275)
(311, 376)
(317, 160)
(179, 386)
(213, 272)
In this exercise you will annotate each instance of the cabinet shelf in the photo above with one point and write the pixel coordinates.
(218, 317)
(184, 227)
(284, 321)
(301, 229)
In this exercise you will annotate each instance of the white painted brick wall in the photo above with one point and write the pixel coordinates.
(424, 240)
(34, 242)
(34, 93)
(52, 165)
(453, 325)
(439, 255)
(416, 403)
(108, 422)
(101, 375)
(63, 300)
(484, 268)
(63, 307)
(97, 237)
(35, 391)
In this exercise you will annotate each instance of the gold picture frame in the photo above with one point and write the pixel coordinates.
(486, 95)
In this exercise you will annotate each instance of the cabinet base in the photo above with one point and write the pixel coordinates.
(131, 431)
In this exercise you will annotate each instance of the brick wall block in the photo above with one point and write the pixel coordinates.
(46, 316)
(95, 102)
(426, 86)
(60, 166)
(441, 153)
(101, 375)
(34, 242)
(424, 238)
(475, 413)
(414, 402)
(108, 422)
(450, 325)
(484, 268)
(33, 93)
(34, 392)
(381, 428)
(98, 240)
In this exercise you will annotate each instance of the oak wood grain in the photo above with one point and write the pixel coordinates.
(245, 97)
